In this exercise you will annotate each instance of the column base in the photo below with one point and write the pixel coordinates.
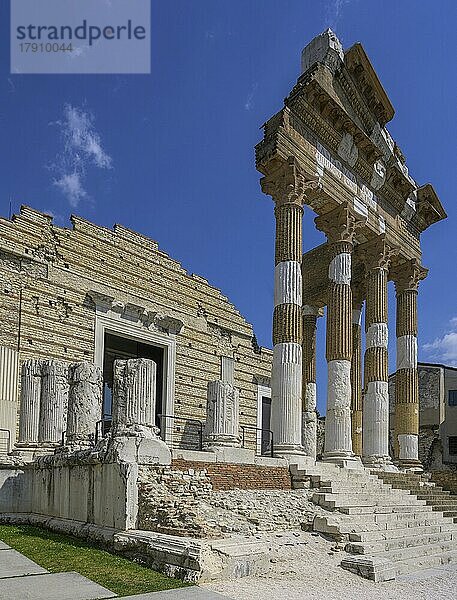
(346, 460)
(287, 450)
(410, 465)
(380, 463)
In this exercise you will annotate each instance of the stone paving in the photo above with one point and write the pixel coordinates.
(22, 579)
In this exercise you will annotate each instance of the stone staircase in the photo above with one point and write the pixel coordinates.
(385, 531)
(435, 496)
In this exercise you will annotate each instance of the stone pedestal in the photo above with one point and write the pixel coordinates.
(84, 402)
(54, 402)
(134, 397)
(222, 416)
(29, 416)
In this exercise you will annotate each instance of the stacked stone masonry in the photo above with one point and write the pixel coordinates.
(47, 274)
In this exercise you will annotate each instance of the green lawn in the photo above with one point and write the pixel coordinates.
(57, 553)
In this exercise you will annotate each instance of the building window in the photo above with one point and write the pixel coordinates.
(452, 397)
(453, 445)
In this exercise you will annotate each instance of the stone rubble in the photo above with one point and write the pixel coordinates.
(178, 503)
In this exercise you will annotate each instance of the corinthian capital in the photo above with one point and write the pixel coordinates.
(286, 182)
(407, 275)
(340, 224)
(376, 253)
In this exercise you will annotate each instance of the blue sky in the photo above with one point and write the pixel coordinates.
(171, 154)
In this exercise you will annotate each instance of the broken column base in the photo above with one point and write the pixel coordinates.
(380, 463)
(137, 449)
(348, 461)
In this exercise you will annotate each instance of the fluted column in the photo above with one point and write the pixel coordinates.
(406, 431)
(356, 373)
(54, 401)
(222, 415)
(309, 394)
(339, 225)
(287, 185)
(84, 402)
(29, 416)
(376, 255)
(134, 397)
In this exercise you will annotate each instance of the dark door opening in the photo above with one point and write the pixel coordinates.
(121, 348)
(266, 425)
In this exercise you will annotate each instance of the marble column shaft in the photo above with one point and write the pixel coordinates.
(29, 416)
(309, 394)
(356, 380)
(339, 225)
(134, 397)
(406, 430)
(286, 184)
(54, 401)
(222, 415)
(84, 402)
(376, 398)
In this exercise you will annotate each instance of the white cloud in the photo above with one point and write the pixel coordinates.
(333, 13)
(250, 98)
(71, 186)
(444, 349)
(82, 149)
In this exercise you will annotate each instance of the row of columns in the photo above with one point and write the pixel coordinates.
(350, 429)
(59, 398)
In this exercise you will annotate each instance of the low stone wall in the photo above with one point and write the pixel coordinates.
(84, 490)
(238, 476)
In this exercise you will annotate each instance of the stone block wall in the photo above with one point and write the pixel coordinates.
(47, 272)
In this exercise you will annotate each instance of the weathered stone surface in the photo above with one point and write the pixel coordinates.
(54, 401)
(84, 402)
(134, 397)
(222, 420)
(30, 402)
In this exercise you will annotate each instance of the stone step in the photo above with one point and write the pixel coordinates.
(437, 498)
(401, 543)
(332, 501)
(418, 551)
(401, 532)
(443, 507)
(400, 508)
(382, 569)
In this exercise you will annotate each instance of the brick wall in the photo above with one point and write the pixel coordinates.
(246, 477)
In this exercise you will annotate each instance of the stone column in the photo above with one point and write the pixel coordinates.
(286, 183)
(356, 372)
(376, 255)
(222, 415)
(54, 401)
(134, 397)
(406, 430)
(84, 402)
(29, 416)
(309, 425)
(339, 225)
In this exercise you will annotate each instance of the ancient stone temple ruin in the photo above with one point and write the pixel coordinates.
(149, 417)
